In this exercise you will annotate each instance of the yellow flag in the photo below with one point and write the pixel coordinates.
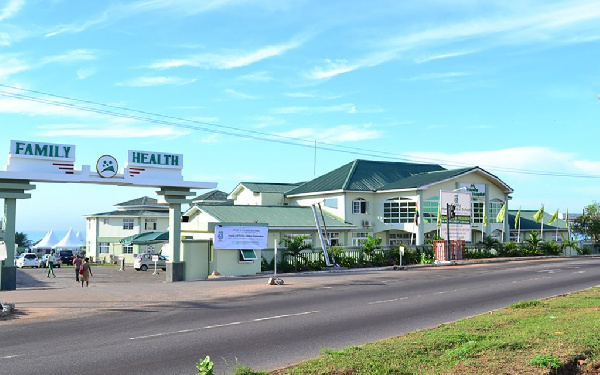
(553, 218)
(439, 216)
(567, 219)
(539, 215)
(517, 218)
(501, 213)
(484, 216)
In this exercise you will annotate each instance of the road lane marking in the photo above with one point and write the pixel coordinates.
(388, 300)
(221, 325)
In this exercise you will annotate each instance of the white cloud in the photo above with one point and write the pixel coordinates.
(348, 108)
(11, 65)
(156, 81)
(211, 138)
(71, 56)
(239, 95)
(32, 108)
(228, 60)
(86, 131)
(84, 73)
(256, 77)
(518, 159)
(429, 58)
(438, 76)
(11, 9)
(338, 134)
(557, 24)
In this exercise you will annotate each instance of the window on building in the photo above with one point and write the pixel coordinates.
(397, 239)
(477, 212)
(495, 206)
(247, 256)
(430, 210)
(359, 206)
(150, 224)
(104, 247)
(307, 237)
(334, 238)
(105, 221)
(399, 210)
(127, 249)
(358, 238)
(127, 224)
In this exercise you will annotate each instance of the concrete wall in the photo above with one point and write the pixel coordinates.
(196, 258)
(227, 263)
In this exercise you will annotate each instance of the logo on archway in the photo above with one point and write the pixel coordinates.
(107, 166)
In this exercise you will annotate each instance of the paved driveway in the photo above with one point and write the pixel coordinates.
(65, 276)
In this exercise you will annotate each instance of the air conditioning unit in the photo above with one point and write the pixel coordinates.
(366, 223)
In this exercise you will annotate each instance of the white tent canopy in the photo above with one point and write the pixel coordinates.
(47, 242)
(69, 241)
(80, 237)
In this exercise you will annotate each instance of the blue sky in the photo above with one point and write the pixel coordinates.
(245, 89)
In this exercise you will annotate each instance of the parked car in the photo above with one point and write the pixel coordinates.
(44, 261)
(27, 260)
(65, 256)
(144, 261)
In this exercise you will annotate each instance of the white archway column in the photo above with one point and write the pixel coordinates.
(175, 197)
(10, 191)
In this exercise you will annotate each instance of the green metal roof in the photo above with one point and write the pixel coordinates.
(274, 216)
(213, 195)
(145, 238)
(428, 178)
(134, 213)
(364, 175)
(529, 224)
(143, 201)
(269, 187)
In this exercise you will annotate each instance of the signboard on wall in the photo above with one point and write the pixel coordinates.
(476, 190)
(240, 237)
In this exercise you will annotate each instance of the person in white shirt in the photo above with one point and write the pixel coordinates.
(51, 259)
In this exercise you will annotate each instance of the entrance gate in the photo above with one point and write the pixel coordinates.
(48, 162)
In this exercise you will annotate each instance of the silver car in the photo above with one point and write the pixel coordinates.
(144, 261)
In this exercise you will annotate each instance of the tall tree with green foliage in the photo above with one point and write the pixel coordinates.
(21, 239)
(588, 226)
(294, 246)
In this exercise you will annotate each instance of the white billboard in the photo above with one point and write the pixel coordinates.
(240, 237)
(460, 225)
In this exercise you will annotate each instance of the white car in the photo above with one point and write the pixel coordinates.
(27, 260)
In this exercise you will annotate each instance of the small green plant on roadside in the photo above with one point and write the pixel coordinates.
(426, 258)
(205, 366)
(526, 304)
(244, 370)
(547, 361)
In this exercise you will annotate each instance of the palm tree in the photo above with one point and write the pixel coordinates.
(294, 247)
(21, 240)
(533, 242)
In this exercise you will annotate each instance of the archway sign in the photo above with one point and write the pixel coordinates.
(30, 161)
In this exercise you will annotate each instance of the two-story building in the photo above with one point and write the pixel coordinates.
(105, 230)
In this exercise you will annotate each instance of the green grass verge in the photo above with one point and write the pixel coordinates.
(558, 335)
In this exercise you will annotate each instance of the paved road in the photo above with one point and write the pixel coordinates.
(146, 326)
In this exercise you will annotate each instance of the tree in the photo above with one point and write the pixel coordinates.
(371, 244)
(588, 226)
(21, 240)
(533, 242)
(294, 247)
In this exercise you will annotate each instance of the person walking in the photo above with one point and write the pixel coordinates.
(77, 264)
(85, 272)
(50, 260)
